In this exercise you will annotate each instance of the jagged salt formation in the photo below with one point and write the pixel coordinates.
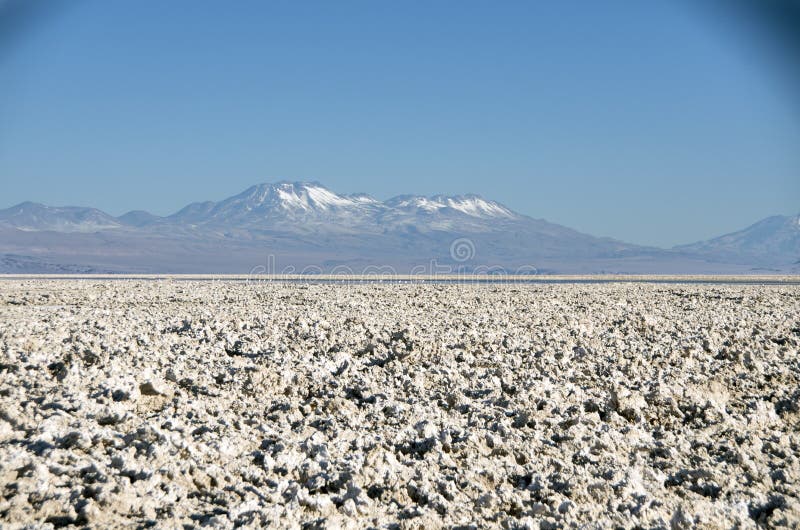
(204, 404)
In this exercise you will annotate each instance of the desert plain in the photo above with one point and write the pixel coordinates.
(206, 404)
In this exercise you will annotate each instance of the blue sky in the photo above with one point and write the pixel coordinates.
(646, 121)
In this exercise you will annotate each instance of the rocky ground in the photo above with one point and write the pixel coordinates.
(205, 404)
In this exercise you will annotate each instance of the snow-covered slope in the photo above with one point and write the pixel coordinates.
(457, 213)
(472, 205)
(266, 205)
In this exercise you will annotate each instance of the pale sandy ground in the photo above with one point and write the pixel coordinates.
(206, 404)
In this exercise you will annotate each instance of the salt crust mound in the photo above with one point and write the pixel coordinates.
(223, 405)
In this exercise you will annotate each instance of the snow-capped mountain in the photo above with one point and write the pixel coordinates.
(304, 224)
(309, 205)
(773, 241)
(265, 205)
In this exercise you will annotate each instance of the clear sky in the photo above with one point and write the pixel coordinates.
(646, 121)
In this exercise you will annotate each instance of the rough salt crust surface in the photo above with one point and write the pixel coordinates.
(222, 405)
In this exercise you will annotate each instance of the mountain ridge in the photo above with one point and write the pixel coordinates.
(304, 221)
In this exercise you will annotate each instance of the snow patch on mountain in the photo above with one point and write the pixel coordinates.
(478, 207)
(290, 200)
(324, 198)
(471, 205)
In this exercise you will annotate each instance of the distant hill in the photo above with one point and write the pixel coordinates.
(35, 216)
(138, 218)
(771, 242)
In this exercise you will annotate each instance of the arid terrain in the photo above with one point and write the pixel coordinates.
(182, 404)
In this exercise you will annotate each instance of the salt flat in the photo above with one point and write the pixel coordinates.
(225, 404)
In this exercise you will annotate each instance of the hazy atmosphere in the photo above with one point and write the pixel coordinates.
(654, 123)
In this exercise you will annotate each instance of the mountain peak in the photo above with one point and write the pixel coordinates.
(775, 239)
(289, 195)
(138, 218)
(470, 204)
(27, 205)
(282, 202)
